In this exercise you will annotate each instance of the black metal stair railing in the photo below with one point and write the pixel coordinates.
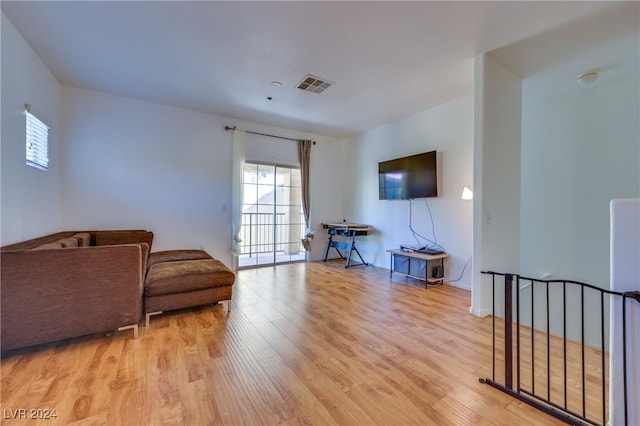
(558, 342)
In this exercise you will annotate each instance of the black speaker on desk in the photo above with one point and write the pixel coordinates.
(438, 271)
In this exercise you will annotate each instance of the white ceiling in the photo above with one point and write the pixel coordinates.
(387, 59)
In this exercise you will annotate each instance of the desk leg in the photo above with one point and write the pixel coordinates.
(351, 248)
(326, 253)
(391, 268)
(426, 274)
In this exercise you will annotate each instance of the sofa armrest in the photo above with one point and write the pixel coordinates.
(101, 286)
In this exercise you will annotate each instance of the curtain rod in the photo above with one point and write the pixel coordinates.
(263, 134)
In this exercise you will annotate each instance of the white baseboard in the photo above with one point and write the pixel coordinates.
(463, 286)
(479, 312)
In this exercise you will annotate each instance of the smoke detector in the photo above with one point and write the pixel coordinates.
(311, 83)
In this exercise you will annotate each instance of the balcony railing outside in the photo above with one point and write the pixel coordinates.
(259, 235)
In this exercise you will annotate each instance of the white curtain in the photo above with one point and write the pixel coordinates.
(239, 140)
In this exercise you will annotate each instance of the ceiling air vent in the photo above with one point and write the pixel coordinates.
(311, 83)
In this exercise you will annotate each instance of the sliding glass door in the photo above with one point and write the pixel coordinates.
(272, 217)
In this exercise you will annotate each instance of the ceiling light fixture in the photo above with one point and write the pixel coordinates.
(587, 77)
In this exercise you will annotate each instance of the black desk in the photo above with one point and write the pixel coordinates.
(342, 236)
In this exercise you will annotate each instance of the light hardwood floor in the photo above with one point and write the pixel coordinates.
(307, 343)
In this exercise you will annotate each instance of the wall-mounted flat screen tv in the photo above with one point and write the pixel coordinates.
(415, 176)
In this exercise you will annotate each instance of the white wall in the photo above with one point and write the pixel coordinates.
(134, 164)
(497, 176)
(448, 129)
(30, 200)
(580, 149)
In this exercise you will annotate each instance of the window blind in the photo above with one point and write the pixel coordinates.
(37, 143)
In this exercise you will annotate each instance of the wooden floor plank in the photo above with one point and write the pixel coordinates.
(308, 343)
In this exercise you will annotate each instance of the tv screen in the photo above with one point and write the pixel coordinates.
(415, 176)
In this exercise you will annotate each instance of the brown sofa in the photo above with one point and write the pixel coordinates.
(70, 284)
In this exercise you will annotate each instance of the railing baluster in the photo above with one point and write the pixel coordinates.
(508, 331)
(493, 311)
(564, 338)
(602, 363)
(624, 355)
(533, 341)
(250, 234)
(518, 333)
(548, 345)
(584, 393)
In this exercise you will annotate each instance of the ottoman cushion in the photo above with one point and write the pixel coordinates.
(173, 255)
(186, 275)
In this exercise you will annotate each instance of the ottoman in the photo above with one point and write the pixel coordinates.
(179, 279)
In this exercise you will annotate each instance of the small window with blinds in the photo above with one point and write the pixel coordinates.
(37, 143)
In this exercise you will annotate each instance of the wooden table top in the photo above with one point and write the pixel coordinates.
(348, 225)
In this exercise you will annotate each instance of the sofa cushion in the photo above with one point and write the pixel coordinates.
(35, 242)
(68, 242)
(173, 255)
(107, 238)
(84, 239)
(186, 275)
(48, 246)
